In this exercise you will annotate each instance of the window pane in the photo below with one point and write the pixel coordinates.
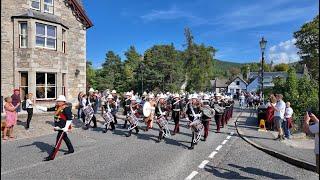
(51, 79)
(23, 92)
(23, 28)
(40, 92)
(23, 41)
(51, 43)
(40, 79)
(48, 1)
(51, 92)
(40, 29)
(35, 4)
(51, 31)
(24, 79)
(40, 41)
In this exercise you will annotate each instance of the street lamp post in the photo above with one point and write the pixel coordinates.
(263, 44)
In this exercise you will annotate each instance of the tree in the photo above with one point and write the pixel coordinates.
(90, 78)
(234, 72)
(131, 69)
(198, 64)
(281, 67)
(308, 44)
(112, 70)
(291, 94)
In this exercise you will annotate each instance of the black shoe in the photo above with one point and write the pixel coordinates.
(104, 131)
(128, 135)
(137, 131)
(277, 137)
(47, 158)
(69, 152)
(27, 128)
(190, 148)
(94, 127)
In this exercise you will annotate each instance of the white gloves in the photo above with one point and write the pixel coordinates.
(66, 128)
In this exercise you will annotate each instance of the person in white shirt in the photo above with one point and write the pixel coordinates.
(242, 98)
(287, 120)
(314, 129)
(279, 110)
(29, 106)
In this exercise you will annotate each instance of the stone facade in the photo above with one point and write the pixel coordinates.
(69, 63)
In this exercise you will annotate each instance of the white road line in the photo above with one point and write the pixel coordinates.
(213, 154)
(203, 164)
(231, 133)
(219, 147)
(224, 142)
(228, 137)
(191, 175)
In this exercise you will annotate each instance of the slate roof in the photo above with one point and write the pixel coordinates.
(41, 16)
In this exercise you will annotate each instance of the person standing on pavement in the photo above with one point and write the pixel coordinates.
(11, 117)
(270, 112)
(16, 100)
(279, 110)
(29, 105)
(314, 129)
(241, 99)
(80, 105)
(287, 123)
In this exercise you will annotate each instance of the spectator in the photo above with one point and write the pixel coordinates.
(279, 110)
(314, 129)
(16, 100)
(29, 105)
(270, 112)
(242, 99)
(11, 117)
(287, 123)
(80, 105)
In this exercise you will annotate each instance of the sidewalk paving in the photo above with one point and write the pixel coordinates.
(298, 147)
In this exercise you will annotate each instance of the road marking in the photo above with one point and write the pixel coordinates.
(203, 164)
(224, 142)
(212, 154)
(231, 133)
(228, 137)
(219, 147)
(191, 175)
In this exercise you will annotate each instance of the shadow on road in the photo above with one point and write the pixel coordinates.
(259, 172)
(44, 147)
(224, 173)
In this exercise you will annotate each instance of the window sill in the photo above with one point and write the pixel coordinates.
(46, 48)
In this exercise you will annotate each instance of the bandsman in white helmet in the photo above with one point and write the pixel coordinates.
(126, 107)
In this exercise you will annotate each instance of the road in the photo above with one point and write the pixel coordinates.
(113, 156)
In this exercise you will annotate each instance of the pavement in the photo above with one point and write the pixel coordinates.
(299, 148)
(113, 156)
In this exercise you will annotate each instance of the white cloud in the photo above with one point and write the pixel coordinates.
(284, 52)
(172, 14)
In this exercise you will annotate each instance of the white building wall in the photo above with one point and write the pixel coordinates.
(232, 88)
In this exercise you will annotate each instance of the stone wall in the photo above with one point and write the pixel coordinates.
(34, 59)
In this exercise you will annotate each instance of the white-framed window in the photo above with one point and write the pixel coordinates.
(46, 36)
(23, 84)
(238, 83)
(63, 40)
(23, 34)
(35, 4)
(48, 6)
(46, 85)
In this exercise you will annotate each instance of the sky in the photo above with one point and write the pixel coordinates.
(233, 27)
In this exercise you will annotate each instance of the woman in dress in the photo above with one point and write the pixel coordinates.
(11, 118)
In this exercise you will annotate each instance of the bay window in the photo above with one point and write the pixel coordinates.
(46, 85)
(23, 84)
(46, 36)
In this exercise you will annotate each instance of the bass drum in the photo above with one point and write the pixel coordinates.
(146, 109)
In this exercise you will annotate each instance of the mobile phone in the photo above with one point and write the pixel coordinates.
(309, 111)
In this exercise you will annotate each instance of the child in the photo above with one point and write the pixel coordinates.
(11, 117)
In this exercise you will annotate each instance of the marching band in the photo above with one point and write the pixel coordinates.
(197, 109)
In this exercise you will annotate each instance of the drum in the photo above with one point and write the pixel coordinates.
(108, 117)
(196, 125)
(147, 109)
(207, 111)
(162, 121)
(88, 110)
(133, 120)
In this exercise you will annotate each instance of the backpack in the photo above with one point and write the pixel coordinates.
(24, 105)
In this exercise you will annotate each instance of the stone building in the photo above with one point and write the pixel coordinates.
(43, 48)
